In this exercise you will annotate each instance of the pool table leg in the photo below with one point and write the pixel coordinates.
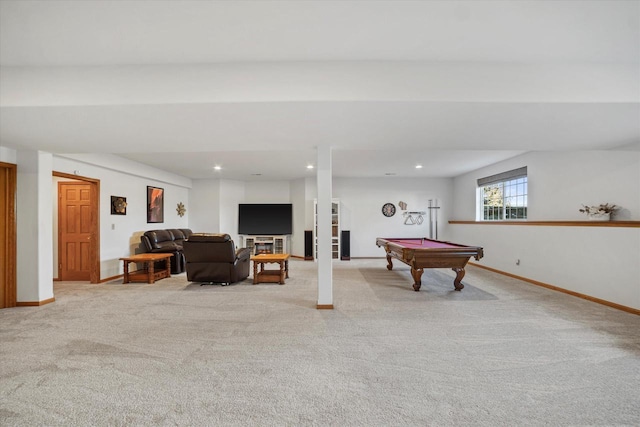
(458, 281)
(417, 275)
(390, 264)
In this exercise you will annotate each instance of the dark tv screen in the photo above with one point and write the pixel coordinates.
(267, 219)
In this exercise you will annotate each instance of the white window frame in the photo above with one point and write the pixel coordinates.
(517, 183)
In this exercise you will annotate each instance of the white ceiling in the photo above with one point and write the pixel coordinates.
(255, 86)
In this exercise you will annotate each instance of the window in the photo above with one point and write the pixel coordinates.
(503, 196)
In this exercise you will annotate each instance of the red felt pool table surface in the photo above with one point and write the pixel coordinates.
(420, 253)
(422, 243)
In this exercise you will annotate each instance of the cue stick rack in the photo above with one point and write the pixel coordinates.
(433, 218)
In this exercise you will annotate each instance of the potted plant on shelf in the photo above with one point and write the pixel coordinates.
(601, 212)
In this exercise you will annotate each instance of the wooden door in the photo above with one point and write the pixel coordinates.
(7, 235)
(75, 230)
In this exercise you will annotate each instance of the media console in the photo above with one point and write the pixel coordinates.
(265, 244)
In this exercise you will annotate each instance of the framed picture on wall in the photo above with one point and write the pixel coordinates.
(118, 205)
(155, 204)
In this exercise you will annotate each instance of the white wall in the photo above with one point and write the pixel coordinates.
(267, 192)
(595, 261)
(232, 193)
(311, 193)
(361, 201)
(601, 262)
(560, 182)
(120, 234)
(8, 155)
(204, 215)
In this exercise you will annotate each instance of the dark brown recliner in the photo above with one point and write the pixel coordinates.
(213, 258)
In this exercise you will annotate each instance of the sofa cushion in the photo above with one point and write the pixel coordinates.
(186, 232)
(158, 237)
(177, 234)
(163, 247)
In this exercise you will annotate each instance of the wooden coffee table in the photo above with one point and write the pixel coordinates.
(270, 276)
(148, 273)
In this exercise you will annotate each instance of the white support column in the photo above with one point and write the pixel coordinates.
(35, 227)
(325, 270)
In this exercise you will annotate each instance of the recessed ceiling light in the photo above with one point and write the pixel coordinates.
(217, 168)
(418, 166)
(309, 166)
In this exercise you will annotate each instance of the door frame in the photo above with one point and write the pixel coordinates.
(94, 246)
(9, 224)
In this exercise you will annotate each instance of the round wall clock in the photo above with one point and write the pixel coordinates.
(388, 209)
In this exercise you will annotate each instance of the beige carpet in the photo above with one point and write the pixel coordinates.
(499, 353)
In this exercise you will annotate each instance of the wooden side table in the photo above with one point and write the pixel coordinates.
(148, 273)
(270, 276)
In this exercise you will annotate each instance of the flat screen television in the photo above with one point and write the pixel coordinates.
(265, 218)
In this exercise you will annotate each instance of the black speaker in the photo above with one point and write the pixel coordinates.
(345, 245)
(308, 245)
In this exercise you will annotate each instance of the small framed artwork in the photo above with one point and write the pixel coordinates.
(118, 205)
(155, 204)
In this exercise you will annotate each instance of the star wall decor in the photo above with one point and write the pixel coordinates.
(181, 209)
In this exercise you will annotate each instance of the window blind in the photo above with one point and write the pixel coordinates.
(504, 176)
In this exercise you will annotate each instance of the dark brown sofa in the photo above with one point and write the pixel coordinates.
(167, 241)
(213, 258)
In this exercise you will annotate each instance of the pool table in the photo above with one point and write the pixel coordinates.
(420, 253)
